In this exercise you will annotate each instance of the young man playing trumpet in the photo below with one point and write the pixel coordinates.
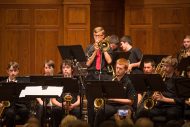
(112, 105)
(99, 55)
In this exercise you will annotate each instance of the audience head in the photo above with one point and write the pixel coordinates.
(144, 122)
(67, 119)
(77, 123)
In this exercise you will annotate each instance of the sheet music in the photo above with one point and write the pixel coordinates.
(38, 90)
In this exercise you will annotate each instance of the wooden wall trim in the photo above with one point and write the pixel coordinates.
(157, 2)
(30, 2)
(78, 2)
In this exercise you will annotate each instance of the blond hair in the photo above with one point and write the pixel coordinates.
(66, 120)
(99, 29)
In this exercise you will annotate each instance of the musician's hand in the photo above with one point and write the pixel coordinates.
(130, 68)
(187, 102)
(71, 107)
(158, 97)
(1, 105)
(96, 47)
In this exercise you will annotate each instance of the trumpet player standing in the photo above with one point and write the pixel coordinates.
(98, 55)
(168, 104)
(113, 105)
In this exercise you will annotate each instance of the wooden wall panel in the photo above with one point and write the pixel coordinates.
(46, 17)
(13, 49)
(46, 42)
(31, 30)
(17, 17)
(76, 24)
(109, 14)
(164, 23)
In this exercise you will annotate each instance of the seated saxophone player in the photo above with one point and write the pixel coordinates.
(19, 107)
(148, 68)
(99, 55)
(115, 104)
(168, 104)
(61, 106)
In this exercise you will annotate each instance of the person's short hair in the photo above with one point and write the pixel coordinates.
(13, 65)
(50, 63)
(170, 60)
(123, 61)
(144, 122)
(114, 39)
(187, 36)
(153, 64)
(126, 38)
(78, 123)
(67, 119)
(99, 29)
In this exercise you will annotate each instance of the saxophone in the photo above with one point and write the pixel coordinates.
(5, 104)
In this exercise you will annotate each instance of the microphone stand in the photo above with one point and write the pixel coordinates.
(100, 71)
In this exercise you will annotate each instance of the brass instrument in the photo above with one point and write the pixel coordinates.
(67, 98)
(98, 103)
(148, 101)
(5, 104)
(104, 45)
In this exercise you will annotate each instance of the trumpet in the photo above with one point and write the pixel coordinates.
(104, 44)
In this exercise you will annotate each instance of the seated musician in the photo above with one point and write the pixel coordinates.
(115, 104)
(49, 66)
(61, 106)
(19, 107)
(168, 104)
(148, 68)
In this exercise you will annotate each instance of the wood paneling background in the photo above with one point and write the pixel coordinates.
(158, 26)
(31, 30)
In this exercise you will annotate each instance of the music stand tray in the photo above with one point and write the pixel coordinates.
(145, 82)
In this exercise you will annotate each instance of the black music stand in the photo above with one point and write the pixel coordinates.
(147, 82)
(69, 85)
(72, 52)
(156, 58)
(182, 87)
(182, 66)
(11, 91)
(104, 89)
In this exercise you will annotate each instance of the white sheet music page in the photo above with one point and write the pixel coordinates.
(37, 90)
